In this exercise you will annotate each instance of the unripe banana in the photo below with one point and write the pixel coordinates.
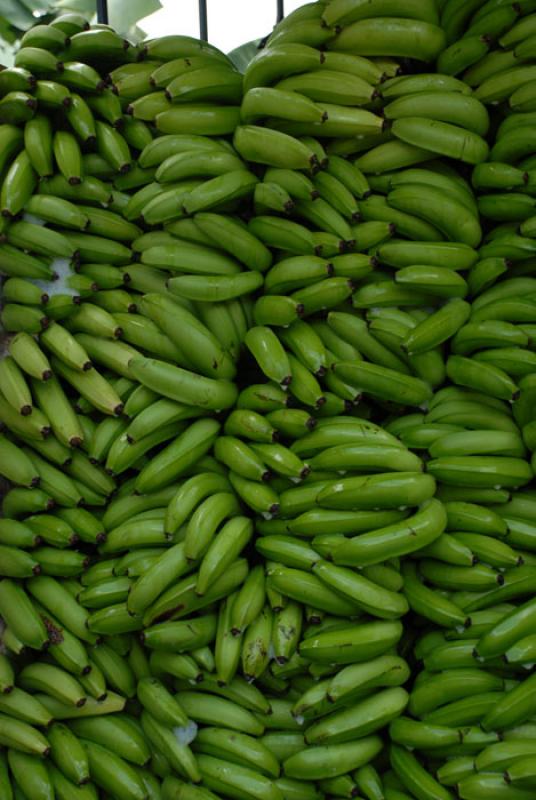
(18, 185)
(21, 616)
(68, 754)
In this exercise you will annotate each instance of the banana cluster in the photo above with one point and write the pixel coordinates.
(268, 409)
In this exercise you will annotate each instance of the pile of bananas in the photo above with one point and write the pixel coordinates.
(268, 401)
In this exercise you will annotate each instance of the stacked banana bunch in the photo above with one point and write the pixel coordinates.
(268, 408)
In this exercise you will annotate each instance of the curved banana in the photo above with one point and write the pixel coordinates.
(451, 220)
(183, 386)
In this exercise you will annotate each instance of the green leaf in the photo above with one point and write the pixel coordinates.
(7, 33)
(8, 40)
(85, 7)
(126, 15)
(241, 56)
(36, 5)
(16, 14)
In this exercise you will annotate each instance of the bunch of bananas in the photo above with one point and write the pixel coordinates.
(268, 406)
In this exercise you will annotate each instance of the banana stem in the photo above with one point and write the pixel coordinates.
(102, 11)
(203, 20)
